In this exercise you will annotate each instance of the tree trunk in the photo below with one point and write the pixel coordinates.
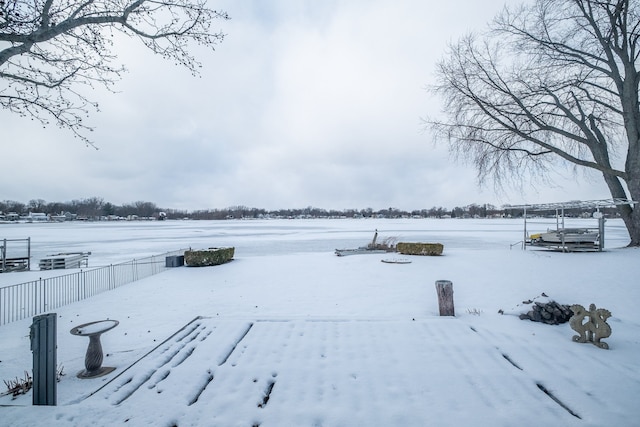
(631, 214)
(631, 119)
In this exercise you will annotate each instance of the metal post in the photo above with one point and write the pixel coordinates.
(524, 238)
(601, 221)
(43, 346)
(4, 254)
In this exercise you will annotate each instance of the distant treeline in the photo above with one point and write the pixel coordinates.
(95, 208)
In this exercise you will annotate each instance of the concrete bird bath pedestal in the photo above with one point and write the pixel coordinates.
(93, 358)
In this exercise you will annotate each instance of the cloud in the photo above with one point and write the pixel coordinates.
(304, 103)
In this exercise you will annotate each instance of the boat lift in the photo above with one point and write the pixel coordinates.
(569, 239)
(15, 254)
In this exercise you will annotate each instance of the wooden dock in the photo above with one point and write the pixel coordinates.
(65, 260)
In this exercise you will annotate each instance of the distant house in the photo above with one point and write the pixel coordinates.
(12, 216)
(63, 216)
(59, 218)
(37, 217)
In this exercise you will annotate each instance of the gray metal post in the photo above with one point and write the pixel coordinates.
(4, 255)
(601, 221)
(43, 346)
(524, 238)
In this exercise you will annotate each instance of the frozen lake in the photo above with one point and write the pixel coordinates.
(335, 341)
(114, 242)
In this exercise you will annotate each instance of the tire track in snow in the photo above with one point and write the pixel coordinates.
(169, 363)
(201, 388)
(235, 345)
(131, 384)
(494, 389)
(263, 372)
(539, 357)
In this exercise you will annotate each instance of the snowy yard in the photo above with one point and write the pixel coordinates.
(290, 334)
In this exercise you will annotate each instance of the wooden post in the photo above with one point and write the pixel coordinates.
(445, 297)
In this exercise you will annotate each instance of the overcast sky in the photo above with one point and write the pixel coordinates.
(305, 103)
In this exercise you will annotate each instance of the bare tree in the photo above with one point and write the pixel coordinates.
(7, 206)
(552, 82)
(145, 209)
(91, 207)
(37, 205)
(49, 49)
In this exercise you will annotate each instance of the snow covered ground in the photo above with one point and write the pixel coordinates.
(290, 334)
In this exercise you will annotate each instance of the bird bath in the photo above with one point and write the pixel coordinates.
(93, 358)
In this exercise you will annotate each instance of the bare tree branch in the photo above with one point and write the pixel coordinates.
(554, 81)
(50, 47)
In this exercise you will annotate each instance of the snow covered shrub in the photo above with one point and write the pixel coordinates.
(207, 257)
(420, 248)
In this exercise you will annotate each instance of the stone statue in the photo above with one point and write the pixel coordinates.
(594, 329)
